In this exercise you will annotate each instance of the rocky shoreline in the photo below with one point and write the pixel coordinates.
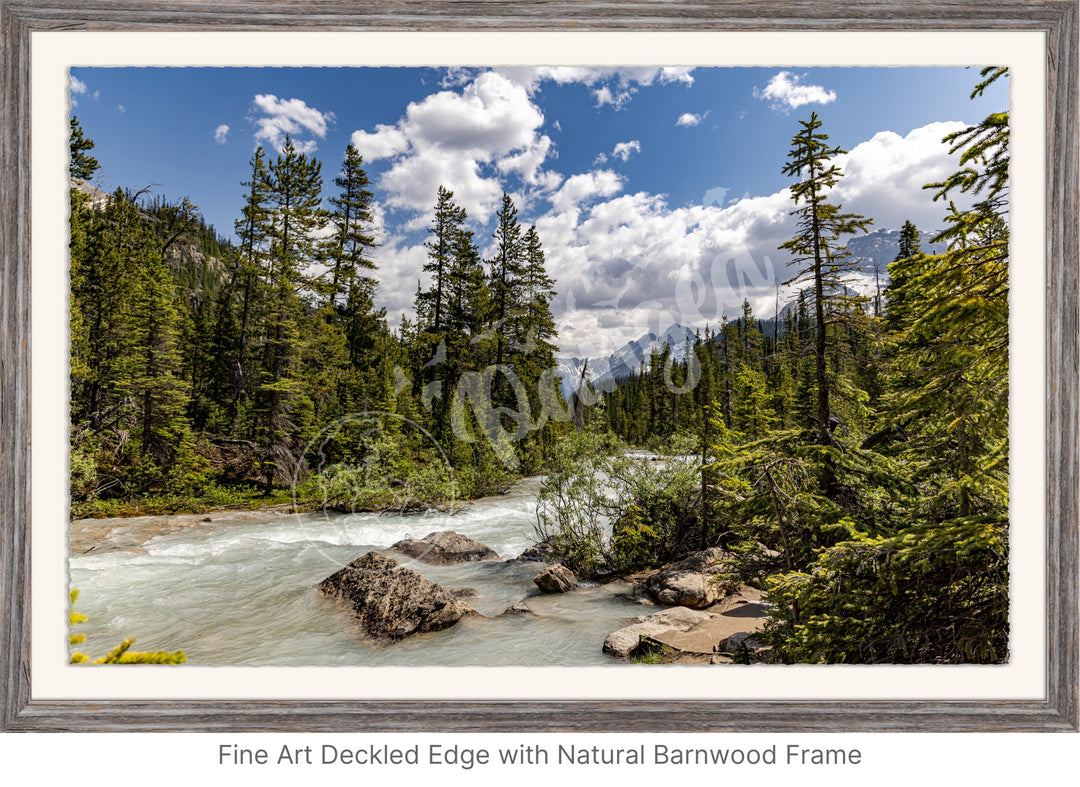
(702, 619)
(687, 615)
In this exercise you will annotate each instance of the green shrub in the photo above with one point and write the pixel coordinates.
(604, 512)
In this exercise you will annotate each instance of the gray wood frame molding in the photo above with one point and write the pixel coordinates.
(1057, 712)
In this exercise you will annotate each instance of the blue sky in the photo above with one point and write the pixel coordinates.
(654, 191)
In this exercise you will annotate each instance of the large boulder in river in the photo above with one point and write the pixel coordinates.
(556, 579)
(389, 601)
(445, 548)
(692, 581)
(624, 642)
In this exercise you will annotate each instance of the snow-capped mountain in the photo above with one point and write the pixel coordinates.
(625, 361)
(875, 250)
(872, 253)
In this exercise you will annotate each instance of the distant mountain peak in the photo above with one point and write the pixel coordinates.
(878, 248)
(626, 360)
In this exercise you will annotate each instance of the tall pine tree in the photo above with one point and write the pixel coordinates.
(816, 249)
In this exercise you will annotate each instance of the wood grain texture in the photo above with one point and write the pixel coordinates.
(1058, 712)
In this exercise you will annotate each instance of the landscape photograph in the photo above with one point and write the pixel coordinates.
(539, 366)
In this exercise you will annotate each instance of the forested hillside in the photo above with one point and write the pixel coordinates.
(203, 370)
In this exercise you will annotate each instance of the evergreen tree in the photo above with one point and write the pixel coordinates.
(165, 441)
(468, 301)
(81, 165)
(349, 248)
(537, 323)
(816, 248)
(345, 356)
(533, 358)
(448, 221)
(242, 301)
(909, 241)
(505, 274)
(932, 585)
(294, 190)
(101, 286)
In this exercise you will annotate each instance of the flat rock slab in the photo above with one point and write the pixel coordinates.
(743, 613)
(130, 534)
(625, 641)
(445, 548)
(389, 601)
(693, 631)
(712, 635)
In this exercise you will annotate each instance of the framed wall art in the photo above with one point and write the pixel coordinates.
(539, 367)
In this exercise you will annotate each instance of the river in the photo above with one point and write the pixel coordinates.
(241, 589)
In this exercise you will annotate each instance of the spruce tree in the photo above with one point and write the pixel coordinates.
(505, 274)
(348, 251)
(294, 190)
(534, 351)
(816, 249)
(534, 356)
(81, 165)
(242, 302)
(165, 440)
(468, 301)
(931, 584)
(448, 221)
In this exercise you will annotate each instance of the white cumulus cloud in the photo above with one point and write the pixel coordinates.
(628, 263)
(785, 92)
(464, 141)
(221, 134)
(277, 118)
(384, 142)
(581, 188)
(617, 98)
(884, 176)
(688, 119)
(531, 77)
(613, 87)
(624, 150)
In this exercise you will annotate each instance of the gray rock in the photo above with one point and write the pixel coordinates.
(391, 602)
(445, 548)
(730, 644)
(520, 608)
(689, 583)
(538, 552)
(556, 579)
(625, 641)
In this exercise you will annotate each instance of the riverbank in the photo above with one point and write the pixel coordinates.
(203, 583)
(246, 498)
(130, 531)
(213, 498)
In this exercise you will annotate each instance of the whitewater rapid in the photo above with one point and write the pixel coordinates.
(241, 589)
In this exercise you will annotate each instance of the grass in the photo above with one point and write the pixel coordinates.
(649, 653)
(212, 497)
